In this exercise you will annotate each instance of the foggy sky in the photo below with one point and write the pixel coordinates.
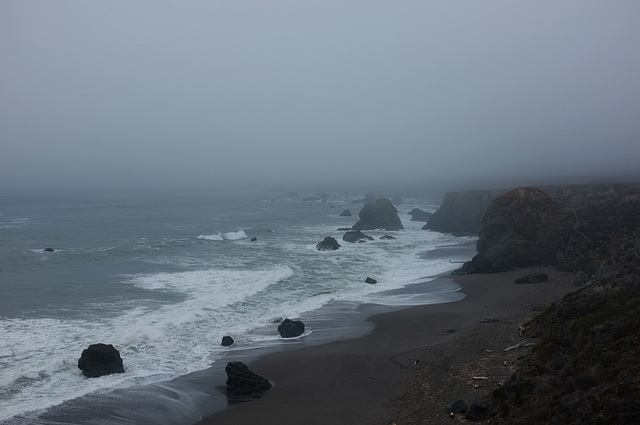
(198, 94)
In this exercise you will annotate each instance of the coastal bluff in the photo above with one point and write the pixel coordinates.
(571, 228)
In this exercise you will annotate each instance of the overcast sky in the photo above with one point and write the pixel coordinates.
(191, 94)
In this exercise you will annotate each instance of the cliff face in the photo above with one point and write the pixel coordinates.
(576, 230)
(461, 212)
(586, 366)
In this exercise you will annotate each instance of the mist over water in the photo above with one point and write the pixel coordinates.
(155, 97)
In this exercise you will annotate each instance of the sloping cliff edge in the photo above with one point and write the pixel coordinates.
(585, 366)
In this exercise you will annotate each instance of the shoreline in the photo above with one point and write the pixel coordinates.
(415, 361)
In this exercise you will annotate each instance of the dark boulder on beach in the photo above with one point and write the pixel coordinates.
(345, 213)
(355, 236)
(291, 328)
(461, 212)
(100, 359)
(380, 215)
(227, 341)
(243, 384)
(419, 215)
(328, 244)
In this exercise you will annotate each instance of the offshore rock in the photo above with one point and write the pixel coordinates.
(290, 328)
(227, 341)
(355, 236)
(99, 360)
(386, 237)
(381, 215)
(243, 384)
(418, 215)
(49, 249)
(370, 280)
(328, 244)
(345, 213)
(461, 212)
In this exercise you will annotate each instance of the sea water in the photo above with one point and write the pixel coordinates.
(164, 279)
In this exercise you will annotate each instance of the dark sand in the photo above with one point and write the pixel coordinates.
(415, 362)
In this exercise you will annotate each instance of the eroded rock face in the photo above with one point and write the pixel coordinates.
(380, 215)
(526, 227)
(99, 360)
(419, 215)
(243, 384)
(461, 212)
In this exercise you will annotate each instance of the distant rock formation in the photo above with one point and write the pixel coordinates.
(369, 198)
(328, 244)
(356, 236)
(418, 215)
(461, 212)
(243, 384)
(526, 227)
(99, 360)
(381, 215)
(290, 328)
(345, 213)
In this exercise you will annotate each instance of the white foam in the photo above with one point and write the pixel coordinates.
(230, 236)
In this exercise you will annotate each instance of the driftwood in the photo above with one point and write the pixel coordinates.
(519, 345)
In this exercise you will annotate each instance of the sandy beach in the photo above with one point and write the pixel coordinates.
(416, 361)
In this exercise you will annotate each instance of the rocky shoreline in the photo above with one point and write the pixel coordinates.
(518, 348)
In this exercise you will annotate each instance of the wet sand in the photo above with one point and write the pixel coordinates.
(415, 362)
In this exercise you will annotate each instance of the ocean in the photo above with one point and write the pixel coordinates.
(164, 279)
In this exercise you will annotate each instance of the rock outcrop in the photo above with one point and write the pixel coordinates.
(345, 213)
(356, 236)
(290, 328)
(99, 360)
(227, 341)
(381, 215)
(243, 384)
(584, 367)
(418, 215)
(328, 244)
(461, 212)
(526, 227)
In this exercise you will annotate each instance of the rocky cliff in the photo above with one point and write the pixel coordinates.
(577, 229)
(461, 212)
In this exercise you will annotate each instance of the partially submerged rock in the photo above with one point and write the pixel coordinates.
(381, 215)
(291, 328)
(370, 281)
(243, 384)
(227, 341)
(419, 215)
(328, 244)
(355, 236)
(99, 360)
